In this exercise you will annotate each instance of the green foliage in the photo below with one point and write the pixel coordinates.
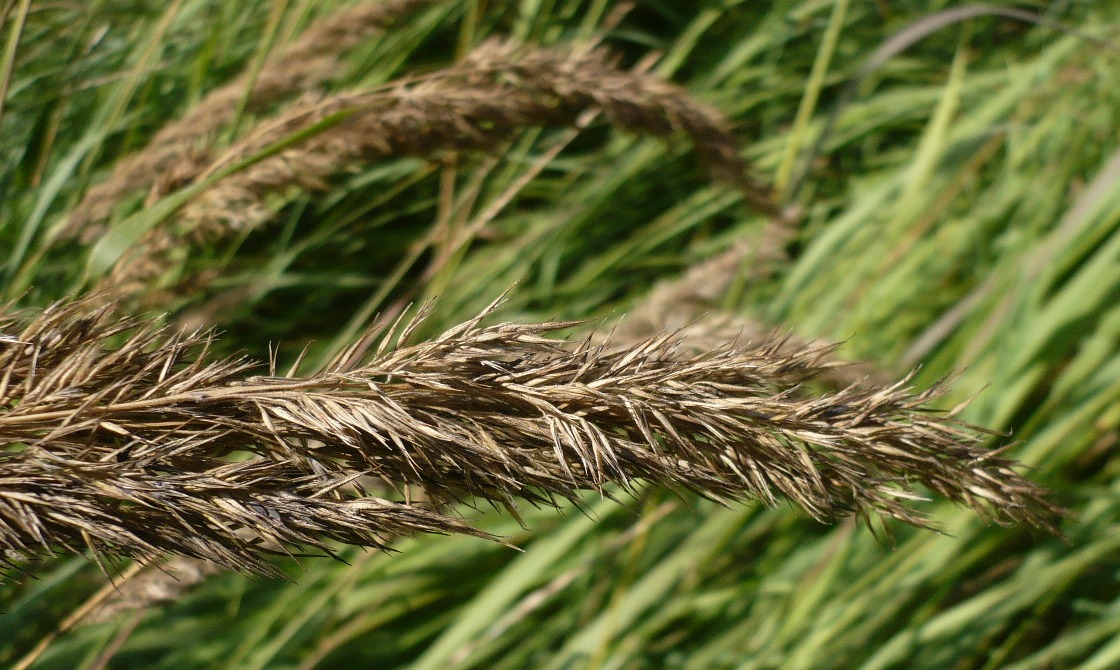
(962, 216)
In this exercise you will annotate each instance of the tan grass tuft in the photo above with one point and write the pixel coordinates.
(690, 307)
(157, 584)
(678, 303)
(119, 438)
(499, 89)
(310, 61)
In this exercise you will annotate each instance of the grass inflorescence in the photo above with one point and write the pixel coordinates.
(150, 447)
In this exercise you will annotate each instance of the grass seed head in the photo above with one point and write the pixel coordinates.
(121, 438)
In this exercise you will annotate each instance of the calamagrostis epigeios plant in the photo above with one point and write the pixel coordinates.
(124, 439)
(689, 306)
(498, 89)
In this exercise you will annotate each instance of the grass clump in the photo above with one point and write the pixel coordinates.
(942, 214)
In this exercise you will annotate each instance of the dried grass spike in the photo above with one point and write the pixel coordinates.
(498, 89)
(126, 448)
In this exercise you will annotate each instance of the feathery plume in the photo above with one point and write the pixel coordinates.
(689, 307)
(677, 304)
(310, 61)
(154, 585)
(475, 105)
(120, 438)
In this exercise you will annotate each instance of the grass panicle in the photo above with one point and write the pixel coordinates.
(689, 306)
(152, 585)
(134, 442)
(498, 89)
